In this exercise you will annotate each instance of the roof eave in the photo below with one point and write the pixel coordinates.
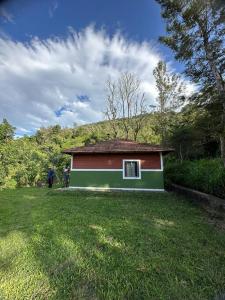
(164, 151)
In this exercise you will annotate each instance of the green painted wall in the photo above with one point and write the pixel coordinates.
(114, 179)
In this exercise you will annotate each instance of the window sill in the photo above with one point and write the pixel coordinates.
(131, 177)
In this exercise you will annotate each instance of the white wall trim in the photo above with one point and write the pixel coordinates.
(113, 170)
(161, 161)
(151, 170)
(108, 170)
(89, 188)
(71, 163)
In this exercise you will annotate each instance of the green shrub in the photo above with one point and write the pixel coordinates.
(206, 175)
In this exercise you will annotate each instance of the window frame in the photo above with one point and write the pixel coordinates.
(139, 168)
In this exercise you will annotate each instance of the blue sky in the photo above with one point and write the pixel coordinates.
(138, 20)
(37, 42)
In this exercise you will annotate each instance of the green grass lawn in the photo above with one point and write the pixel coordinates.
(78, 245)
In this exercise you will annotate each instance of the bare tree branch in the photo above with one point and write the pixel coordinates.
(126, 102)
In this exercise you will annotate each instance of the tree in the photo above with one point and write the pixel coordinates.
(126, 105)
(112, 107)
(193, 134)
(7, 131)
(56, 129)
(170, 95)
(196, 33)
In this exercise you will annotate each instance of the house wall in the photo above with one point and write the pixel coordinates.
(114, 161)
(106, 171)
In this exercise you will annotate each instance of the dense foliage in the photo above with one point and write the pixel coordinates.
(204, 175)
(24, 161)
(196, 34)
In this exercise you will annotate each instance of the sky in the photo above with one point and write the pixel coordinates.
(56, 56)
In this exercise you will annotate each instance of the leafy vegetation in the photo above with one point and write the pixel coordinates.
(195, 33)
(204, 175)
(170, 96)
(24, 161)
(81, 245)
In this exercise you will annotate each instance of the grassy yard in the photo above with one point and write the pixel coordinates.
(76, 245)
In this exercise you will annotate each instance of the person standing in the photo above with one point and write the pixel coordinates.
(51, 175)
(66, 176)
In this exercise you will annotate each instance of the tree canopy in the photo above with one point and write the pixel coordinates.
(196, 34)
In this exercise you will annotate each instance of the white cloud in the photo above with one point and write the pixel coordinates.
(190, 88)
(62, 81)
(6, 16)
(54, 5)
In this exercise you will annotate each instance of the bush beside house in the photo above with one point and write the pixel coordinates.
(205, 175)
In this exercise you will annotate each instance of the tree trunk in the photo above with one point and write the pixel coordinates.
(164, 134)
(222, 148)
(221, 91)
(126, 133)
(181, 155)
(135, 134)
(222, 135)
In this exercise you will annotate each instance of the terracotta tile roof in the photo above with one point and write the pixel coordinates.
(118, 146)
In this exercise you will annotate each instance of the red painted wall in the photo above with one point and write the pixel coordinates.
(114, 161)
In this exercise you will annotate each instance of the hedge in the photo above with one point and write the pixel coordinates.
(205, 175)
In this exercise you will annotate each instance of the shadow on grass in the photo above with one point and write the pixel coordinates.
(111, 246)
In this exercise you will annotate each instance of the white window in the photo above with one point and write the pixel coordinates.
(131, 169)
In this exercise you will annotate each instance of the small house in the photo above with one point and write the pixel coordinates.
(117, 165)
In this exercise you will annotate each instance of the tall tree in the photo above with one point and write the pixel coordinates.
(126, 105)
(7, 131)
(196, 33)
(170, 95)
(113, 107)
(193, 133)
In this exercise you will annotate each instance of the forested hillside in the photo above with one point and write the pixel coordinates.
(24, 161)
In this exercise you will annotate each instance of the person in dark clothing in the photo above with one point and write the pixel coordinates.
(51, 175)
(66, 176)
